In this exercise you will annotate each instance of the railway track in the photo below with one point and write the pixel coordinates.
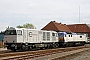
(6, 51)
(38, 53)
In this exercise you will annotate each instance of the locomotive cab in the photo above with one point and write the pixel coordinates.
(10, 37)
(11, 34)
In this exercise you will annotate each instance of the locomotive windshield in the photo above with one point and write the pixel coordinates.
(10, 32)
(60, 35)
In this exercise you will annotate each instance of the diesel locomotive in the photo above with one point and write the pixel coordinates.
(28, 39)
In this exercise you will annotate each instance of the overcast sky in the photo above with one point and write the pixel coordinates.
(41, 12)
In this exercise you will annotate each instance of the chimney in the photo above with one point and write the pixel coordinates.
(64, 24)
(53, 21)
(60, 22)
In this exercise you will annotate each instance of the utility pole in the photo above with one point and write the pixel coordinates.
(79, 13)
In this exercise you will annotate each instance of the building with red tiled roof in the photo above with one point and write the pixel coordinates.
(55, 26)
(80, 28)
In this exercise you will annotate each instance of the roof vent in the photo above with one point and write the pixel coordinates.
(53, 21)
(60, 22)
(64, 24)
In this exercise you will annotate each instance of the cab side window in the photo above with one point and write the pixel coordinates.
(53, 34)
(19, 32)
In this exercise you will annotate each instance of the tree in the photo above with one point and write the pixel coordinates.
(27, 25)
(20, 26)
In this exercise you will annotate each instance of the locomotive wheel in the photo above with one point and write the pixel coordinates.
(30, 47)
(23, 47)
(83, 43)
(56, 45)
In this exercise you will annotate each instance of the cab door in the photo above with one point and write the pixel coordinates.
(19, 36)
(25, 36)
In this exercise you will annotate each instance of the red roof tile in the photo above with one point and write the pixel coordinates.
(79, 28)
(56, 27)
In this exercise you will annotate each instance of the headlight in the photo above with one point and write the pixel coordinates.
(6, 45)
